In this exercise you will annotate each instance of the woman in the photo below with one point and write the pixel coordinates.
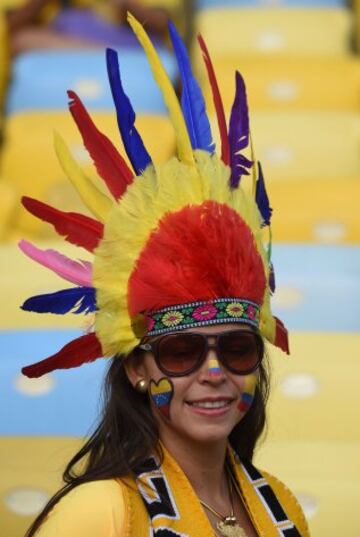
(180, 287)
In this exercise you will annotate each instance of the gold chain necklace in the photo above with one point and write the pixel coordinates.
(228, 526)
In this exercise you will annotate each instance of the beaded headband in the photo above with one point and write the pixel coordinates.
(175, 245)
(198, 314)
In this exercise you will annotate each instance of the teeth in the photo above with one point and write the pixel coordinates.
(211, 404)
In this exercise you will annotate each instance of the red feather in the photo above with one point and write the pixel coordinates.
(281, 336)
(79, 351)
(109, 163)
(77, 228)
(201, 252)
(219, 107)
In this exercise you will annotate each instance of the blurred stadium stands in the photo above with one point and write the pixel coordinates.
(301, 64)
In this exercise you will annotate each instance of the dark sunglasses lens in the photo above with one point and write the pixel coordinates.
(179, 353)
(240, 351)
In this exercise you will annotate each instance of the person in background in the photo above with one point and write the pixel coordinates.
(43, 24)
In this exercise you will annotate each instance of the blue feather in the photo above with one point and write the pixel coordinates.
(192, 100)
(134, 146)
(60, 302)
(262, 199)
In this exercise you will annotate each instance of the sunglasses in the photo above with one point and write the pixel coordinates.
(177, 355)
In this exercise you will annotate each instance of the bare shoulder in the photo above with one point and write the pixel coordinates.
(95, 509)
(290, 503)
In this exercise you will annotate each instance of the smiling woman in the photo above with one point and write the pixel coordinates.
(180, 289)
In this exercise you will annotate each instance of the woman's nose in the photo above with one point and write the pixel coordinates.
(212, 370)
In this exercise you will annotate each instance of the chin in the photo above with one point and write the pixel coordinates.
(208, 434)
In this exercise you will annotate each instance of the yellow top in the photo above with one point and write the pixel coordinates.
(95, 509)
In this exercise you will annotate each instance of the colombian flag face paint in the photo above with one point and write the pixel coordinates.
(248, 393)
(161, 393)
(214, 368)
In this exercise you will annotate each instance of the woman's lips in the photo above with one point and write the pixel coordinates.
(210, 406)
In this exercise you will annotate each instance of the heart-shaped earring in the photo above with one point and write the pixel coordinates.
(161, 393)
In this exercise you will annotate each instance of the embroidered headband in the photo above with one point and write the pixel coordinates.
(177, 245)
(197, 314)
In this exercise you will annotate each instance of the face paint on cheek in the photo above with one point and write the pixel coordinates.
(214, 368)
(161, 393)
(248, 393)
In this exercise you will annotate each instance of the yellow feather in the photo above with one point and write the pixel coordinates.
(254, 166)
(94, 199)
(162, 189)
(185, 152)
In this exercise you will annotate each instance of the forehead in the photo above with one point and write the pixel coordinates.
(217, 329)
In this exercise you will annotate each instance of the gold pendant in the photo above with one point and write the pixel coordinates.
(229, 528)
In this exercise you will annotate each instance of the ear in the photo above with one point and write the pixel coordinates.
(135, 367)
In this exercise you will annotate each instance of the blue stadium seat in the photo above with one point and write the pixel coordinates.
(40, 80)
(66, 403)
(317, 287)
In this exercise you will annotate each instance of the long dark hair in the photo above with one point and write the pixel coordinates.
(127, 434)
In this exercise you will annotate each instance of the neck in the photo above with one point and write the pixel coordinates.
(203, 464)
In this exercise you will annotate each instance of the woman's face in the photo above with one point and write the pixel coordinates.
(203, 406)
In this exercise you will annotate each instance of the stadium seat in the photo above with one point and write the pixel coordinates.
(289, 83)
(324, 475)
(325, 211)
(32, 473)
(305, 144)
(205, 4)
(276, 31)
(30, 166)
(306, 384)
(40, 79)
(8, 208)
(312, 280)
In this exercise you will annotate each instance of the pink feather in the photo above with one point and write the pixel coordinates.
(78, 272)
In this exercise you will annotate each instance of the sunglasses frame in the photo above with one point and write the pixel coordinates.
(153, 347)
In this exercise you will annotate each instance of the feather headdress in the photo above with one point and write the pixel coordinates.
(175, 245)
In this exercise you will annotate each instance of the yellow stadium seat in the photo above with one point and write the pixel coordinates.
(311, 390)
(8, 202)
(324, 211)
(28, 481)
(324, 476)
(312, 443)
(289, 83)
(301, 145)
(276, 31)
(30, 165)
(305, 144)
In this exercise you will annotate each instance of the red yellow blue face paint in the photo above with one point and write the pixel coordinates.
(248, 393)
(214, 368)
(161, 393)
